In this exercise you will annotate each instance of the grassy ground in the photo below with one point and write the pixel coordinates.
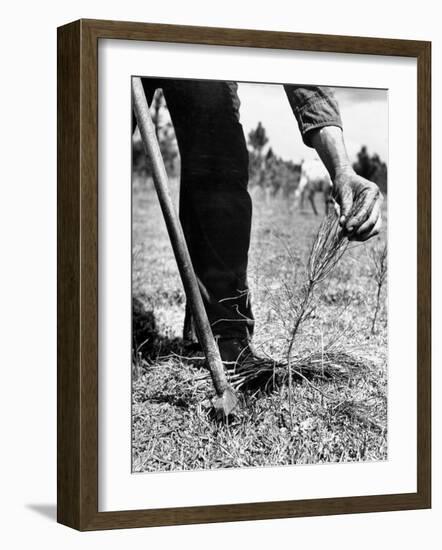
(339, 390)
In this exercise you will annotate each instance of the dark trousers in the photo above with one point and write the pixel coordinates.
(215, 206)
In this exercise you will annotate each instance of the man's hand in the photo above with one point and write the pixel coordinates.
(360, 204)
(359, 199)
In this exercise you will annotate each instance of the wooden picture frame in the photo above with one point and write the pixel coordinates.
(77, 459)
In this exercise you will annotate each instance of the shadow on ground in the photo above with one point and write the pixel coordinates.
(146, 338)
(48, 511)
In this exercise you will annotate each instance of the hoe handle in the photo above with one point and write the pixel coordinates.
(179, 245)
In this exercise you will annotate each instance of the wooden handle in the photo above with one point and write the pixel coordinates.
(179, 245)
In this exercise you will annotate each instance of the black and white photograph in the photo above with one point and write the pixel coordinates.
(271, 347)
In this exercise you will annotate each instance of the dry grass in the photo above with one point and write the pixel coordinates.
(338, 367)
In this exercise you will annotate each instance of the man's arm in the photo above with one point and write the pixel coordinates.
(319, 121)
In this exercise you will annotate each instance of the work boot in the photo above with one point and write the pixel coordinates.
(246, 370)
(236, 351)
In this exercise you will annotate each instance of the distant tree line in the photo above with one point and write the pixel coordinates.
(166, 139)
(270, 173)
(267, 171)
(372, 168)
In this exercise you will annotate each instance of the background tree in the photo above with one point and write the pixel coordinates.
(268, 171)
(166, 138)
(258, 139)
(257, 163)
(372, 168)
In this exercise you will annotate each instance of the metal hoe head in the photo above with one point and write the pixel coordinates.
(225, 404)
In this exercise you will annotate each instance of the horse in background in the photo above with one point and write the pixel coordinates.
(314, 179)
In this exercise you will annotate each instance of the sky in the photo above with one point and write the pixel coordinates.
(364, 114)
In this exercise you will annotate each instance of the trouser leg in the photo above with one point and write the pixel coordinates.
(215, 207)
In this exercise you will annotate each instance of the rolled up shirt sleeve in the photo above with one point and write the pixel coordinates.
(314, 107)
